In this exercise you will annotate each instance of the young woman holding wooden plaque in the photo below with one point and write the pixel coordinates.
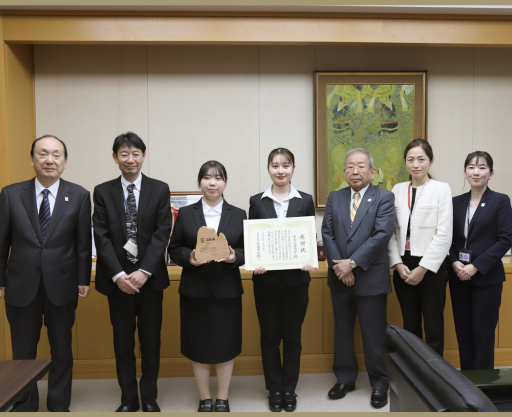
(281, 296)
(210, 291)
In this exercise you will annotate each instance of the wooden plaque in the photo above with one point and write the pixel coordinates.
(209, 246)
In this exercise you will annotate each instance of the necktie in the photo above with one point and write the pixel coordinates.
(44, 213)
(354, 208)
(131, 220)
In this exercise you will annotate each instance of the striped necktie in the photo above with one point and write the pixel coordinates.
(44, 213)
(354, 208)
(131, 218)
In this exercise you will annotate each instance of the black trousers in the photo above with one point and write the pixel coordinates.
(281, 310)
(372, 318)
(475, 312)
(427, 298)
(26, 323)
(127, 312)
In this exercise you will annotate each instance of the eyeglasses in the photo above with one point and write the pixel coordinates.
(351, 168)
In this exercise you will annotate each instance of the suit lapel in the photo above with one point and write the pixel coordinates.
(462, 211)
(269, 205)
(145, 193)
(480, 209)
(59, 209)
(364, 205)
(198, 214)
(224, 218)
(28, 196)
(344, 208)
(292, 206)
(117, 194)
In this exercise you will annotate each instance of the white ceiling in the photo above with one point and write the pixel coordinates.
(469, 10)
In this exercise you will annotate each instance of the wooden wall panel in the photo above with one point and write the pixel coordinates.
(311, 331)
(504, 323)
(257, 30)
(4, 119)
(21, 109)
(250, 324)
(94, 330)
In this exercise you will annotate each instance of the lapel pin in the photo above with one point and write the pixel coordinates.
(66, 199)
(369, 200)
(483, 204)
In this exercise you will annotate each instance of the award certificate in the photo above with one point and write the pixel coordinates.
(285, 243)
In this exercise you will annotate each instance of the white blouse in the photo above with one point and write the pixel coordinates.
(212, 215)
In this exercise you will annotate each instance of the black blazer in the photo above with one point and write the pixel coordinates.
(489, 236)
(220, 279)
(264, 209)
(154, 222)
(63, 260)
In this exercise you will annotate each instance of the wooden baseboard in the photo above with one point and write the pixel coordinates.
(248, 365)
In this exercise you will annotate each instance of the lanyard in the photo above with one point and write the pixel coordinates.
(134, 227)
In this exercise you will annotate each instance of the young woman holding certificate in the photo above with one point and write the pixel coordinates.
(419, 245)
(482, 234)
(210, 292)
(281, 296)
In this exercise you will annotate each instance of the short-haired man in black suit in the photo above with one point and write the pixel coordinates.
(46, 225)
(132, 223)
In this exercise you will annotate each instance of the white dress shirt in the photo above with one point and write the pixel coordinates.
(136, 192)
(212, 215)
(281, 206)
(52, 195)
(361, 194)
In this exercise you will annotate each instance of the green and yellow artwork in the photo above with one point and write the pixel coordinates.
(378, 118)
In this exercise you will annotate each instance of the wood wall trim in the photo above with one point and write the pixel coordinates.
(253, 14)
(4, 122)
(255, 30)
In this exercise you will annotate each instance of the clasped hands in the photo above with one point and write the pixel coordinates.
(343, 271)
(229, 259)
(131, 284)
(464, 272)
(413, 277)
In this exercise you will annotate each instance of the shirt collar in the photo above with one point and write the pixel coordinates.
(217, 208)
(361, 192)
(293, 194)
(125, 183)
(54, 189)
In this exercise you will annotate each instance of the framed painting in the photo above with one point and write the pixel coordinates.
(380, 112)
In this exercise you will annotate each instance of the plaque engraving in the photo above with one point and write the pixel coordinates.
(209, 246)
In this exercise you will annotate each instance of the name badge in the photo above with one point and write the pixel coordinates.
(131, 247)
(408, 244)
(465, 256)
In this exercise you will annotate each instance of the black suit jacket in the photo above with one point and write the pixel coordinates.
(264, 209)
(154, 222)
(220, 279)
(63, 260)
(489, 236)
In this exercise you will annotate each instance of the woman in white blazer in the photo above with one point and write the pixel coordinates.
(420, 243)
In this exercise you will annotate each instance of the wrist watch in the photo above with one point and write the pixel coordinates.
(352, 263)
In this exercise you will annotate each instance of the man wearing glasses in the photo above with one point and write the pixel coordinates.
(357, 226)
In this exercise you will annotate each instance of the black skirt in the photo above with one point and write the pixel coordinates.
(211, 328)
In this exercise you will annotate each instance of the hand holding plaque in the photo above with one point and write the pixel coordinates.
(209, 246)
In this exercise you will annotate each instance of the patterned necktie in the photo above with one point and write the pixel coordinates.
(44, 213)
(132, 228)
(354, 208)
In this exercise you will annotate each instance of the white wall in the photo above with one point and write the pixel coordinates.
(236, 103)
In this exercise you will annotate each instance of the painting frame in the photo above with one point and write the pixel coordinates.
(325, 78)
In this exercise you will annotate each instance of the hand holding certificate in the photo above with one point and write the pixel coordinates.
(284, 243)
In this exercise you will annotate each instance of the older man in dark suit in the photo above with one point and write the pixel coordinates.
(132, 223)
(356, 229)
(46, 226)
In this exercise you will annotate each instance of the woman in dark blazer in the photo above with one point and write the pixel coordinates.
(281, 296)
(210, 292)
(477, 274)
